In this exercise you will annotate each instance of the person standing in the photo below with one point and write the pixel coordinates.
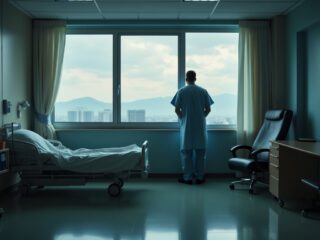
(192, 105)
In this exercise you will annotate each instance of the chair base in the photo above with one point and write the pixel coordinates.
(243, 181)
(250, 181)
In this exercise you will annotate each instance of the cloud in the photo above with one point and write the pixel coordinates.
(76, 83)
(154, 71)
(149, 65)
(216, 67)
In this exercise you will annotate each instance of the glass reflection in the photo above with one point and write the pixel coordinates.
(222, 234)
(69, 236)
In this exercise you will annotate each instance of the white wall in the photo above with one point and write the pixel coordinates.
(15, 68)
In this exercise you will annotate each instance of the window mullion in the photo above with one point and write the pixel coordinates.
(181, 59)
(116, 79)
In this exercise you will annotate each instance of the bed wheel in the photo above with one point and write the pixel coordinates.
(114, 189)
(120, 182)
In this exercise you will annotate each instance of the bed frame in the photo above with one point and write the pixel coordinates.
(39, 173)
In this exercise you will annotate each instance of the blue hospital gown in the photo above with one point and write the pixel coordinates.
(192, 100)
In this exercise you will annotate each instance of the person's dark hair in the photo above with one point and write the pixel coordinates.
(191, 76)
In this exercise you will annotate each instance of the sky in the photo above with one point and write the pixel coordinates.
(149, 65)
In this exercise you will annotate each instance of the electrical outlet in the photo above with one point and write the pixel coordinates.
(6, 106)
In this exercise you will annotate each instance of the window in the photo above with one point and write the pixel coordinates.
(85, 93)
(214, 56)
(125, 79)
(149, 78)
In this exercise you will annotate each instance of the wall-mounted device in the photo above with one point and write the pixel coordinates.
(23, 105)
(6, 106)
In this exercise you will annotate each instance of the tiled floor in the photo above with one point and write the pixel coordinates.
(151, 209)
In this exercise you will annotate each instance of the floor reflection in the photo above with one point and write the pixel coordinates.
(150, 211)
(69, 236)
(161, 235)
(222, 234)
(273, 224)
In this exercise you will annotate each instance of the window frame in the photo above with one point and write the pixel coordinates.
(119, 29)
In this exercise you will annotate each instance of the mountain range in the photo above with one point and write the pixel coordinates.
(225, 105)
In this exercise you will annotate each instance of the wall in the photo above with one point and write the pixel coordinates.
(15, 68)
(16, 65)
(304, 19)
(163, 145)
(313, 80)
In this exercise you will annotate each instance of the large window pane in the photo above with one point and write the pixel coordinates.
(85, 93)
(149, 78)
(214, 57)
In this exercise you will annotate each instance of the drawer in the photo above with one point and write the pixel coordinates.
(274, 186)
(274, 170)
(274, 160)
(274, 150)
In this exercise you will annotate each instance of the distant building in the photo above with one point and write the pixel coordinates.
(74, 116)
(105, 116)
(137, 115)
(88, 116)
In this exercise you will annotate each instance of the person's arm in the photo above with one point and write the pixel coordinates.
(178, 112)
(207, 111)
(209, 102)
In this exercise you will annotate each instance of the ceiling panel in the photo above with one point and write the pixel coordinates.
(138, 7)
(157, 15)
(259, 7)
(68, 15)
(56, 7)
(120, 16)
(155, 9)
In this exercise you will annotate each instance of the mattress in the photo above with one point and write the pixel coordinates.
(29, 148)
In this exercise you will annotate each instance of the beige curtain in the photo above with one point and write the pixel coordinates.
(255, 75)
(48, 51)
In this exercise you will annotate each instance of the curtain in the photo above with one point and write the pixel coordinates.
(255, 75)
(48, 51)
(279, 80)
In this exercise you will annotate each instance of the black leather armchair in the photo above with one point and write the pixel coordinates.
(275, 127)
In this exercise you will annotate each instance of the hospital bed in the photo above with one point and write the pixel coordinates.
(42, 162)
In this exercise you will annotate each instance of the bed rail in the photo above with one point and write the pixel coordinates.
(8, 129)
(40, 170)
(145, 159)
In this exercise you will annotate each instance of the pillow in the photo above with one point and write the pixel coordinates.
(33, 138)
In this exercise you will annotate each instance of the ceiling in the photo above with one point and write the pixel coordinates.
(155, 9)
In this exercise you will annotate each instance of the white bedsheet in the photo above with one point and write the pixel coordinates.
(102, 160)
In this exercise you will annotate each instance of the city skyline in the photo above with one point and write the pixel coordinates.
(88, 109)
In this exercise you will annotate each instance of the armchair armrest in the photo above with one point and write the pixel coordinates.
(255, 153)
(237, 147)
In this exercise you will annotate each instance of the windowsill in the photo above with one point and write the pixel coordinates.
(156, 127)
(139, 129)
